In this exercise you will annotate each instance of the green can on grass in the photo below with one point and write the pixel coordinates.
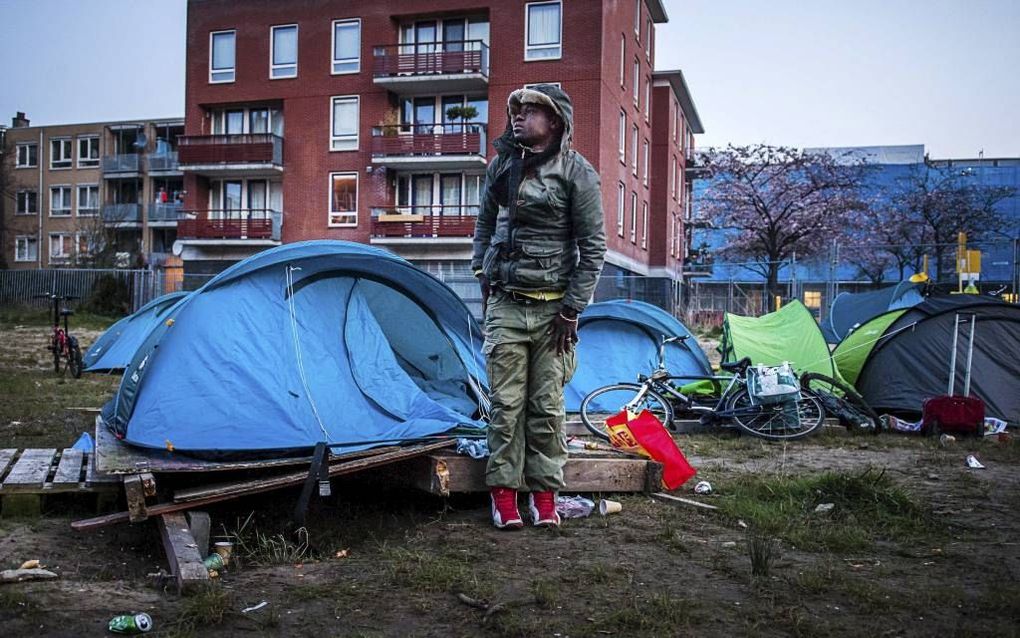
(131, 625)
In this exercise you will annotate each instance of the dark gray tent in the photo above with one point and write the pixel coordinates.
(907, 361)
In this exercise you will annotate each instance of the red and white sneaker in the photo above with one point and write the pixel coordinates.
(504, 508)
(543, 509)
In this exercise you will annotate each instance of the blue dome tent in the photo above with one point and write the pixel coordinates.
(849, 310)
(319, 341)
(113, 350)
(620, 340)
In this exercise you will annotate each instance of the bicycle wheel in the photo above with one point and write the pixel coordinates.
(608, 401)
(779, 422)
(74, 361)
(842, 402)
(56, 358)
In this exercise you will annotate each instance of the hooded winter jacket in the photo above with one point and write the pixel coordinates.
(551, 237)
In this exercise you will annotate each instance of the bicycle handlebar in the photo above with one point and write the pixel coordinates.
(52, 296)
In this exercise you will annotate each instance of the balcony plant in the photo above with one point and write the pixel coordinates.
(463, 113)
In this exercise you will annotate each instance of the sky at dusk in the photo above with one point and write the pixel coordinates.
(824, 73)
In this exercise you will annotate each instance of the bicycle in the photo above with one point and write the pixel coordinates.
(63, 344)
(785, 420)
(842, 402)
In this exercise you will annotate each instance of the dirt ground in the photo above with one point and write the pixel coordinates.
(917, 545)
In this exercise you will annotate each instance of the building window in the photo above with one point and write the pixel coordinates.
(61, 245)
(221, 56)
(283, 51)
(623, 137)
(623, 56)
(813, 299)
(88, 152)
(346, 46)
(346, 116)
(672, 235)
(26, 248)
(674, 186)
(88, 200)
(633, 217)
(544, 33)
(634, 150)
(637, 19)
(28, 156)
(620, 196)
(27, 203)
(531, 86)
(676, 122)
(343, 199)
(60, 201)
(644, 164)
(648, 40)
(636, 82)
(60, 153)
(644, 224)
(648, 97)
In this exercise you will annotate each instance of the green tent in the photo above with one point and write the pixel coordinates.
(788, 334)
(853, 351)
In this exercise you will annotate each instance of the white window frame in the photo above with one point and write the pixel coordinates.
(644, 225)
(676, 122)
(25, 164)
(644, 166)
(25, 240)
(621, 192)
(69, 200)
(329, 198)
(78, 203)
(634, 137)
(816, 295)
(273, 67)
(88, 162)
(672, 236)
(231, 70)
(623, 61)
(672, 176)
(332, 48)
(66, 154)
(648, 98)
(531, 86)
(529, 48)
(623, 137)
(633, 217)
(637, 19)
(17, 202)
(62, 257)
(648, 40)
(635, 84)
(356, 137)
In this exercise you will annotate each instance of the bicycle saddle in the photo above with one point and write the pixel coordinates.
(66, 312)
(735, 366)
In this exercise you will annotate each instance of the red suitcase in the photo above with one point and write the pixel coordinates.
(952, 414)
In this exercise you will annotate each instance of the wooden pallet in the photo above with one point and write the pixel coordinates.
(28, 475)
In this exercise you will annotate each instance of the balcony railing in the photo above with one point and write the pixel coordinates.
(162, 162)
(165, 212)
(257, 148)
(122, 213)
(432, 58)
(428, 139)
(424, 221)
(129, 163)
(262, 223)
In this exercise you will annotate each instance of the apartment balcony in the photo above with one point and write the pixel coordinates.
(253, 155)
(122, 214)
(165, 213)
(700, 267)
(218, 226)
(415, 224)
(440, 67)
(163, 164)
(429, 146)
(127, 165)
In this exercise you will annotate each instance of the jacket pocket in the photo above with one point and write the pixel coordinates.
(540, 263)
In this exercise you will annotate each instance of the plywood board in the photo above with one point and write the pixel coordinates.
(30, 472)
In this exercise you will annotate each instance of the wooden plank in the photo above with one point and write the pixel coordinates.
(135, 496)
(235, 490)
(30, 471)
(69, 471)
(182, 553)
(684, 501)
(94, 478)
(6, 460)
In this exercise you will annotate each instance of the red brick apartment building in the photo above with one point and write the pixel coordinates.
(372, 121)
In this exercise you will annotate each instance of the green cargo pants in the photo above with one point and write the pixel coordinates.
(527, 445)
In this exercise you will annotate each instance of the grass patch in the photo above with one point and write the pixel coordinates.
(427, 572)
(260, 548)
(659, 615)
(25, 316)
(15, 602)
(867, 506)
(200, 612)
(761, 550)
(544, 592)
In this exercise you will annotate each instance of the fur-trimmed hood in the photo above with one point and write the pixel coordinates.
(548, 95)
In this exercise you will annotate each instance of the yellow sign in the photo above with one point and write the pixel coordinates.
(968, 261)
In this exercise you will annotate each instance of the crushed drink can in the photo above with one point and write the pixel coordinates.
(214, 562)
(703, 487)
(131, 625)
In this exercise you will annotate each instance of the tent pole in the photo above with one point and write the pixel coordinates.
(952, 356)
(970, 355)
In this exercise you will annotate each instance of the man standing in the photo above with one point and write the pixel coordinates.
(538, 249)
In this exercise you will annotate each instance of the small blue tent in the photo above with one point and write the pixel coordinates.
(849, 310)
(620, 340)
(113, 350)
(319, 341)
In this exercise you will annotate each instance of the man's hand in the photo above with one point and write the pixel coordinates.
(564, 330)
(483, 281)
